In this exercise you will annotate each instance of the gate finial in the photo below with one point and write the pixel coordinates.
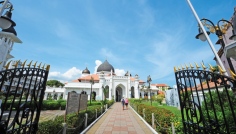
(48, 67)
(39, 65)
(191, 66)
(1, 62)
(23, 65)
(203, 66)
(186, 66)
(182, 67)
(35, 64)
(175, 70)
(212, 69)
(15, 65)
(232, 74)
(179, 68)
(8, 64)
(43, 66)
(29, 64)
(197, 65)
(221, 70)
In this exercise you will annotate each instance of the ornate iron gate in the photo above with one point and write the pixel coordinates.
(207, 101)
(21, 95)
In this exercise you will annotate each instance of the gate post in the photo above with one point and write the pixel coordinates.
(64, 128)
(86, 120)
(144, 114)
(153, 118)
(96, 113)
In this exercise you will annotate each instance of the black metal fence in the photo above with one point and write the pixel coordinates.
(207, 100)
(21, 95)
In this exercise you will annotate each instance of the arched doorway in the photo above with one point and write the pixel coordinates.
(119, 94)
(132, 92)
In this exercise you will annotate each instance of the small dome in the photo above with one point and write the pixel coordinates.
(10, 30)
(86, 71)
(105, 66)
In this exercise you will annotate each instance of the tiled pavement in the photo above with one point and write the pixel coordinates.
(119, 121)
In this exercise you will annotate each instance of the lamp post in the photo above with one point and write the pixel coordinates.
(149, 80)
(91, 82)
(219, 30)
(5, 21)
(207, 37)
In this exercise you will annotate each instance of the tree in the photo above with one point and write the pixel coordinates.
(105, 91)
(55, 83)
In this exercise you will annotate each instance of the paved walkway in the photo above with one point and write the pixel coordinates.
(119, 121)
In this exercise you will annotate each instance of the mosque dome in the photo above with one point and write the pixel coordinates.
(105, 66)
(10, 30)
(86, 71)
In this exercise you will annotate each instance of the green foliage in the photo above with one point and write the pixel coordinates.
(221, 107)
(53, 104)
(74, 120)
(164, 116)
(56, 83)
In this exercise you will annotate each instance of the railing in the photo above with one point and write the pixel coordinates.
(207, 100)
(21, 106)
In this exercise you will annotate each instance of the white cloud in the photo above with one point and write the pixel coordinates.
(71, 74)
(98, 63)
(120, 72)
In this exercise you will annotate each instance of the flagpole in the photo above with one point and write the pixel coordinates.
(207, 37)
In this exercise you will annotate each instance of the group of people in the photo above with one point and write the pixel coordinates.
(124, 102)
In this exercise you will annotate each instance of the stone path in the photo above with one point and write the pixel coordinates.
(119, 121)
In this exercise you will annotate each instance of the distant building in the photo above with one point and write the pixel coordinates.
(119, 86)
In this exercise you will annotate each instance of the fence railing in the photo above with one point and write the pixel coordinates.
(207, 100)
(21, 95)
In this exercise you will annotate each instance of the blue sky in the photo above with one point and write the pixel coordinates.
(145, 37)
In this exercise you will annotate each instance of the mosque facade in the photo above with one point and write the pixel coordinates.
(118, 86)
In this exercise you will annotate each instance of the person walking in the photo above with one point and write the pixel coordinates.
(126, 103)
(123, 102)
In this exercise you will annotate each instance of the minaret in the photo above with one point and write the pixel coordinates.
(7, 39)
(136, 88)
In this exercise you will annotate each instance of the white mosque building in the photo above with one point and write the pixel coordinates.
(119, 86)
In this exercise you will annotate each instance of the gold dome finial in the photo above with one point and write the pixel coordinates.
(182, 67)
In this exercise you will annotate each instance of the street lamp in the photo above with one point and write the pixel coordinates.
(149, 80)
(5, 21)
(207, 37)
(219, 30)
(91, 82)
